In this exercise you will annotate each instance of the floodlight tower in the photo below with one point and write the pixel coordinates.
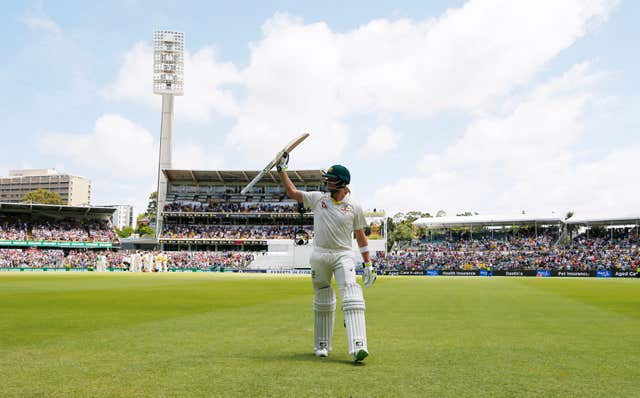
(168, 73)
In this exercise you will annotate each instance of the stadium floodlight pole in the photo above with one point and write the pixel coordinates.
(168, 74)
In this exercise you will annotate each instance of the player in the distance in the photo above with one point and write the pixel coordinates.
(336, 218)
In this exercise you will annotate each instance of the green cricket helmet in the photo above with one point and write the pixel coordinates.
(339, 172)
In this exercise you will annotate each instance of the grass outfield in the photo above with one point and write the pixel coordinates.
(209, 335)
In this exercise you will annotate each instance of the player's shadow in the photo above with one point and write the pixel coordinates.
(309, 358)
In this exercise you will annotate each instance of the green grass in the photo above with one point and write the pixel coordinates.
(210, 335)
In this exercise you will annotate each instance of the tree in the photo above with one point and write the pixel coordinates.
(144, 230)
(570, 228)
(403, 232)
(142, 225)
(598, 231)
(152, 206)
(125, 232)
(413, 215)
(43, 196)
(441, 213)
(391, 227)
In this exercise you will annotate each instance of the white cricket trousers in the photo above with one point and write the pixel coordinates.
(324, 265)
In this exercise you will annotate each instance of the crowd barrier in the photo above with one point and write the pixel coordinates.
(541, 273)
(111, 269)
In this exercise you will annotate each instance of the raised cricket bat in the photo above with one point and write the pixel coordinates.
(288, 148)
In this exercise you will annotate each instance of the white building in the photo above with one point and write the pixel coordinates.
(123, 216)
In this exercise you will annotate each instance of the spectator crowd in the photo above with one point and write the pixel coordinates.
(68, 230)
(228, 207)
(12, 228)
(205, 231)
(148, 261)
(615, 249)
(613, 252)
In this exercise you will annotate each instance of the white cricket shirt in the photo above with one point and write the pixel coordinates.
(333, 222)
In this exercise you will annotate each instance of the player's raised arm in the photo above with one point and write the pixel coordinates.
(290, 189)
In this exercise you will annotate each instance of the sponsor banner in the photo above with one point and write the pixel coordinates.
(202, 214)
(514, 272)
(186, 241)
(625, 274)
(289, 271)
(603, 273)
(433, 272)
(572, 274)
(191, 270)
(543, 273)
(26, 269)
(411, 273)
(392, 273)
(460, 272)
(38, 243)
(484, 272)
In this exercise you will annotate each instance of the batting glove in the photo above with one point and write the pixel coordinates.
(284, 162)
(369, 274)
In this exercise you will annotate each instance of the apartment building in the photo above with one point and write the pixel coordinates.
(74, 190)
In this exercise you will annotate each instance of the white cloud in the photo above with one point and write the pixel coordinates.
(38, 21)
(517, 152)
(380, 140)
(308, 77)
(525, 159)
(195, 157)
(119, 147)
(116, 146)
(120, 158)
(205, 85)
(134, 80)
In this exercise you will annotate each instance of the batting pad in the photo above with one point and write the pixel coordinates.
(353, 308)
(324, 306)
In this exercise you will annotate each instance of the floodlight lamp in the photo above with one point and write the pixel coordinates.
(168, 62)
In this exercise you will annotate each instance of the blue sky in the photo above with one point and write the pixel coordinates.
(489, 106)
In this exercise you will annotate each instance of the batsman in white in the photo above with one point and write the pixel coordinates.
(336, 218)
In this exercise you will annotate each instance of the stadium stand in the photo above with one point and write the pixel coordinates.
(12, 228)
(30, 223)
(203, 231)
(204, 210)
(53, 236)
(125, 261)
(233, 236)
(615, 249)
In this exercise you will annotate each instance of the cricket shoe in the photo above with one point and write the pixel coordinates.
(322, 352)
(359, 355)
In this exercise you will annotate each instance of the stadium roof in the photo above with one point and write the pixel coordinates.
(55, 209)
(488, 220)
(627, 220)
(241, 176)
